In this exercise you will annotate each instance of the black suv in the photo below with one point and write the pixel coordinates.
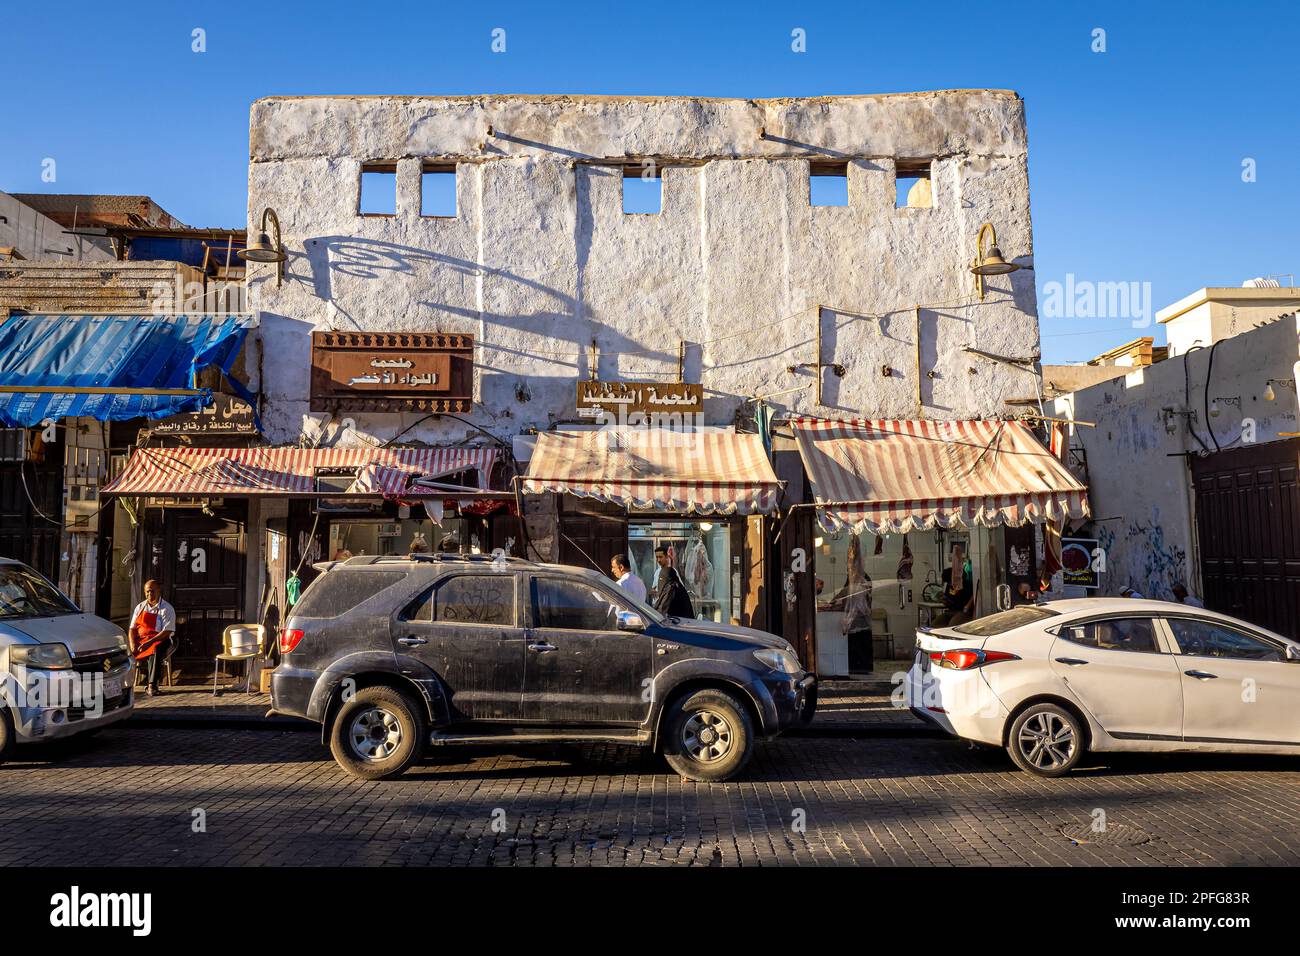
(392, 654)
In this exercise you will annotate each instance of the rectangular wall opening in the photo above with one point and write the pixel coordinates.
(828, 184)
(643, 189)
(378, 194)
(912, 187)
(438, 190)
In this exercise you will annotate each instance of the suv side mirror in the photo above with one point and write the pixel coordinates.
(630, 621)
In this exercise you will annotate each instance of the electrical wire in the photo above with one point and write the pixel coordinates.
(22, 473)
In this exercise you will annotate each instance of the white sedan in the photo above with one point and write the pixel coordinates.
(1050, 682)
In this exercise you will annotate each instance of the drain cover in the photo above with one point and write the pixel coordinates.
(1115, 834)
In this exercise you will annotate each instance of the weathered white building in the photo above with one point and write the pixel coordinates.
(539, 261)
(1192, 464)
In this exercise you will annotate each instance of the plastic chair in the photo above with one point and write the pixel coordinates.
(227, 654)
(880, 629)
(167, 666)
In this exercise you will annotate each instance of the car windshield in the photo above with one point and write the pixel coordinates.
(24, 593)
(1004, 621)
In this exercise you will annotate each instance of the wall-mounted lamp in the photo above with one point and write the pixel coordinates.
(262, 249)
(1226, 400)
(1269, 394)
(990, 263)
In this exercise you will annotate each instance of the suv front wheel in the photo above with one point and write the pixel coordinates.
(708, 736)
(377, 734)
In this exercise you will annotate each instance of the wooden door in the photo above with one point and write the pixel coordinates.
(199, 560)
(1248, 527)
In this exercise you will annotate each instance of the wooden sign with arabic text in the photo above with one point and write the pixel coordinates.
(648, 398)
(391, 371)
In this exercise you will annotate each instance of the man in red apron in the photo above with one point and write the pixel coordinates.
(153, 622)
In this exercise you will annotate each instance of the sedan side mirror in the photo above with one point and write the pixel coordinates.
(1292, 652)
(630, 621)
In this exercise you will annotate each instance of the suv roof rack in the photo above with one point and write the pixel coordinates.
(437, 558)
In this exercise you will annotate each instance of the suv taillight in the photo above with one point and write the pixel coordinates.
(289, 638)
(965, 658)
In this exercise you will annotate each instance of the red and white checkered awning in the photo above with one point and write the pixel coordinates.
(891, 477)
(234, 472)
(698, 472)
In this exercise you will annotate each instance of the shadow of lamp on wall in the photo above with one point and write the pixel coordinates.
(990, 263)
(262, 249)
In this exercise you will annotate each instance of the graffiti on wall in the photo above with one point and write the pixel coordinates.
(1141, 558)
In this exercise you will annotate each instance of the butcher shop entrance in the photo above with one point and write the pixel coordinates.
(702, 552)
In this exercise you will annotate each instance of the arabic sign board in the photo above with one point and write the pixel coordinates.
(391, 371)
(647, 398)
(1078, 566)
(227, 415)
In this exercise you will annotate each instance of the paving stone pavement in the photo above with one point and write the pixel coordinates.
(274, 798)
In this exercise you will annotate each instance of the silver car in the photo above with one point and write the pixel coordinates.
(62, 672)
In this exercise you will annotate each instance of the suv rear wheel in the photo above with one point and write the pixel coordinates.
(709, 736)
(377, 734)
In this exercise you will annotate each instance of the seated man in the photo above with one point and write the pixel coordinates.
(153, 624)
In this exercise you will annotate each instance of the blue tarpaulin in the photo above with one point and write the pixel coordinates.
(117, 352)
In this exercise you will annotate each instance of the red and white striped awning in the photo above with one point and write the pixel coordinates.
(697, 472)
(226, 472)
(891, 477)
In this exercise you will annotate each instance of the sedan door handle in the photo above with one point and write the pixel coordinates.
(412, 641)
(1072, 661)
(541, 648)
(1201, 675)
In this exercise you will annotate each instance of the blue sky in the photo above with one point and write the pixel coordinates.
(1135, 154)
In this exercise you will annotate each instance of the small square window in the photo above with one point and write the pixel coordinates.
(912, 189)
(643, 189)
(438, 190)
(828, 184)
(378, 190)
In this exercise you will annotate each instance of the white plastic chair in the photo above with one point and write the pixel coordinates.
(228, 653)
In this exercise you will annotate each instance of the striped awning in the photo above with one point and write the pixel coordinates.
(698, 472)
(890, 477)
(226, 472)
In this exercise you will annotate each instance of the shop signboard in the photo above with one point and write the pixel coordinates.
(391, 371)
(227, 415)
(645, 398)
(1080, 565)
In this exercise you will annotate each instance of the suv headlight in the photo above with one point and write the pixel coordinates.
(52, 657)
(782, 661)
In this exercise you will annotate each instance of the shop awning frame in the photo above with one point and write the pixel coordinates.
(704, 472)
(113, 367)
(292, 472)
(896, 476)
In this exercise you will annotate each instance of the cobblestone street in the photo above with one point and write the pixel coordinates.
(132, 796)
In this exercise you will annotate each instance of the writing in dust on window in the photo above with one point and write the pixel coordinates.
(477, 600)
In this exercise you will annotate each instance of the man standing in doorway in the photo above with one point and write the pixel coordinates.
(153, 626)
(621, 571)
(670, 595)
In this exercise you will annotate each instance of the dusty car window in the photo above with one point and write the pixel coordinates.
(1206, 639)
(573, 606)
(339, 591)
(1114, 634)
(470, 599)
(1004, 621)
